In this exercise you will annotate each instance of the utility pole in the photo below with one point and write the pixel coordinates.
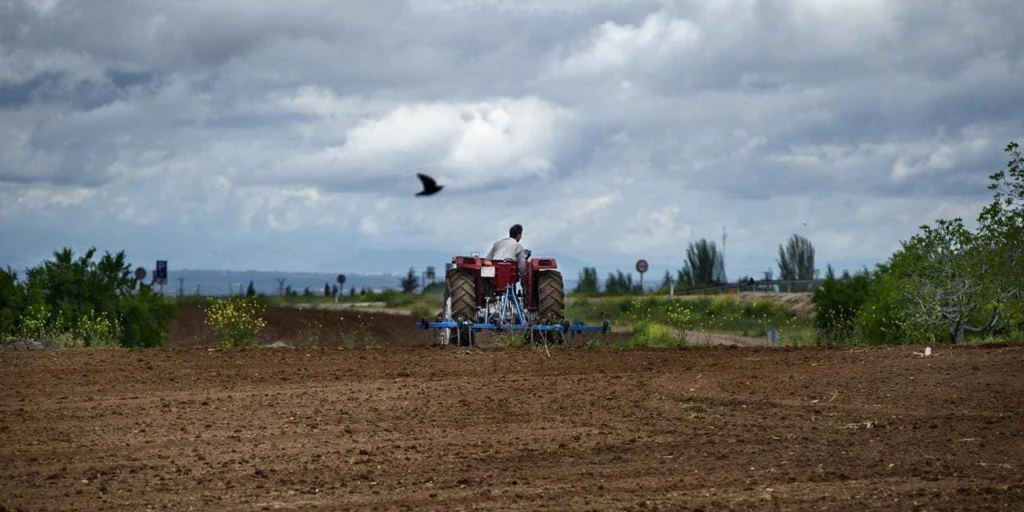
(725, 278)
(723, 247)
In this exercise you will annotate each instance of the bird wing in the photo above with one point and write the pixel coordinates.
(428, 182)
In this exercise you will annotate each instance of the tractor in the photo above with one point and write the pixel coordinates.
(482, 294)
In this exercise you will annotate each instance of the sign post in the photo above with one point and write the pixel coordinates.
(160, 274)
(140, 274)
(641, 267)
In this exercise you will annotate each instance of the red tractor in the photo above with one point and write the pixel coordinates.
(483, 294)
(486, 294)
(474, 283)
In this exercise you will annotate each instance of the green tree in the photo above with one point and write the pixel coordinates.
(620, 283)
(12, 302)
(410, 282)
(837, 303)
(251, 290)
(327, 290)
(666, 282)
(684, 277)
(796, 260)
(1001, 230)
(947, 279)
(74, 295)
(588, 282)
(702, 261)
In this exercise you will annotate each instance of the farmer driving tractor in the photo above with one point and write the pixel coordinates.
(509, 249)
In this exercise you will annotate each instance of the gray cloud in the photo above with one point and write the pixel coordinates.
(610, 128)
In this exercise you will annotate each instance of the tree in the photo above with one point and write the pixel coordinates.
(947, 279)
(410, 282)
(97, 301)
(1001, 230)
(703, 264)
(796, 260)
(666, 282)
(587, 281)
(12, 301)
(619, 283)
(251, 290)
(684, 277)
(327, 290)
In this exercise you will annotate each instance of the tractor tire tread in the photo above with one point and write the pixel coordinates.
(462, 289)
(550, 296)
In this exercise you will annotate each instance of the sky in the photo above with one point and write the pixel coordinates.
(287, 135)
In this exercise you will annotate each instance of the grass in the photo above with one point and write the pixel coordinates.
(655, 316)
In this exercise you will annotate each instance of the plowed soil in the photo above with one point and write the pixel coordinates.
(512, 429)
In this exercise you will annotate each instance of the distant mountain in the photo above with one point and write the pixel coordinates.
(224, 282)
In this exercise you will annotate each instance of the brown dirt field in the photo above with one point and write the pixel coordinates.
(512, 429)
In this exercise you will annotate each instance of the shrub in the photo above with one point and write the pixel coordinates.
(236, 320)
(837, 303)
(146, 318)
(98, 330)
(94, 302)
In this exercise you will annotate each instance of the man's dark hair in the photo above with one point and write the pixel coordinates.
(515, 231)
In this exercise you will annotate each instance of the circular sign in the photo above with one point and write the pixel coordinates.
(641, 266)
(140, 273)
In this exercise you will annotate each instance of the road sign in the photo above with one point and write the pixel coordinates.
(140, 273)
(160, 275)
(641, 266)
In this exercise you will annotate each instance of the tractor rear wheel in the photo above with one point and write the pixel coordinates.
(462, 292)
(550, 297)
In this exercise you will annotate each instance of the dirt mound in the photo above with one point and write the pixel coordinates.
(328, 328)
(515, 429)
(307, 327)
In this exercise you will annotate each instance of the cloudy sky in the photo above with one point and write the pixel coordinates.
(286, 135)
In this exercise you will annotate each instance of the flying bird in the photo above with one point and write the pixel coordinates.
(430, 186)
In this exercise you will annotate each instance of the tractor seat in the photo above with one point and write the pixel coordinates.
(501, 274)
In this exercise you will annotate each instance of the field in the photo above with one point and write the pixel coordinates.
(400, 425)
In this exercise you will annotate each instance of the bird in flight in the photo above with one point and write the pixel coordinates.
(430, 186)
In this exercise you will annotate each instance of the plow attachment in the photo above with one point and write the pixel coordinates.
(507, 315)
(464, 333)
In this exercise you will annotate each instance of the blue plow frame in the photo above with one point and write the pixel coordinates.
(510, 303)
